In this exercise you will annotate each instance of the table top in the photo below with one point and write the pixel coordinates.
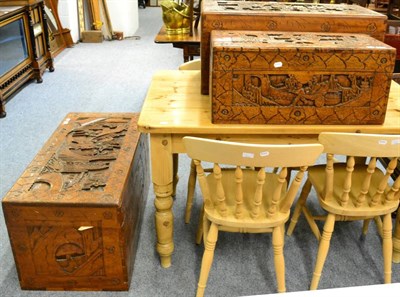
(175, 105)
(163, 37)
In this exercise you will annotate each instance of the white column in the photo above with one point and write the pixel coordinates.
(68, 13)
(124, 16)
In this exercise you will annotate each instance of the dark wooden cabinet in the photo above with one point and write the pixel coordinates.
(24, 46)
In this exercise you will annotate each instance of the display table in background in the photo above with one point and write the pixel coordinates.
(189, 44)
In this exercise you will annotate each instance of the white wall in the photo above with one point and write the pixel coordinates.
(123, 14)
(68, 13)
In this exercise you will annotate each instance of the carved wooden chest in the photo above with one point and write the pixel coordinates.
(281, 16)
(299, 78)
(74, 215)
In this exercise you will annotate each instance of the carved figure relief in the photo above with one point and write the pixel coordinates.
(331, 90)
(84, 160)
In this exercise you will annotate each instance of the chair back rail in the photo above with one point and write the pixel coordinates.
(357, 176)
(263, 157)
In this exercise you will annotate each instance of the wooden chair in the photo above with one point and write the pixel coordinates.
(351, 190)
(247, 200)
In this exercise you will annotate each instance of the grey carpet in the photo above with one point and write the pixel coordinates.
(114, 77)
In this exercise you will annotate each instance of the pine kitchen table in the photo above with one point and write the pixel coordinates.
(174, 108)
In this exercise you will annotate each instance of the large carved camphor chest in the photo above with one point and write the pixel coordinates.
(74, 215)
(280, 16)
(299, 78)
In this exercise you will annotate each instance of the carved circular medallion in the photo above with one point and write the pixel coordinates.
(272, 25)
(107, 197)
(325, 27)
(298, 115)
(217, 24)
(111, 249)
(383, 61)
(22, 248)
(107, 215)
(59, 213)
(371, 27)
(15, 194)
(15, 213)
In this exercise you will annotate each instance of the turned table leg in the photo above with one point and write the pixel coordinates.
(162, 177)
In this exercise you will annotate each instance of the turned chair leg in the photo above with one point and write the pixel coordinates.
(305, 191)
(277, 243)
(396, 239)
(323, 250)
(209, 247)
(190, 192)
(387, 248)
(200, 227)
(365, 226)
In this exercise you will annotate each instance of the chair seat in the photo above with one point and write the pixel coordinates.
(316, 175)
(263, 220)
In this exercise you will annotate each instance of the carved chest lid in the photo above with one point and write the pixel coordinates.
(286, 51)
(287, 9)
(260, 40)
(87, 160)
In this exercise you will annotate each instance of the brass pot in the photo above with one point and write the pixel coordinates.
(176, 17)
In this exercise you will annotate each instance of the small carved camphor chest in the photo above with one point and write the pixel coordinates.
(74, 215)
(299, 78)
(281, 16)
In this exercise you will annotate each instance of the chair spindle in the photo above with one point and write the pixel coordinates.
(329, 171)
(203, 184)
(344, 198)
(220, 194)
(258, 194)
(366, 184)
(395, 187)
(272, 209)
(239, 192)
